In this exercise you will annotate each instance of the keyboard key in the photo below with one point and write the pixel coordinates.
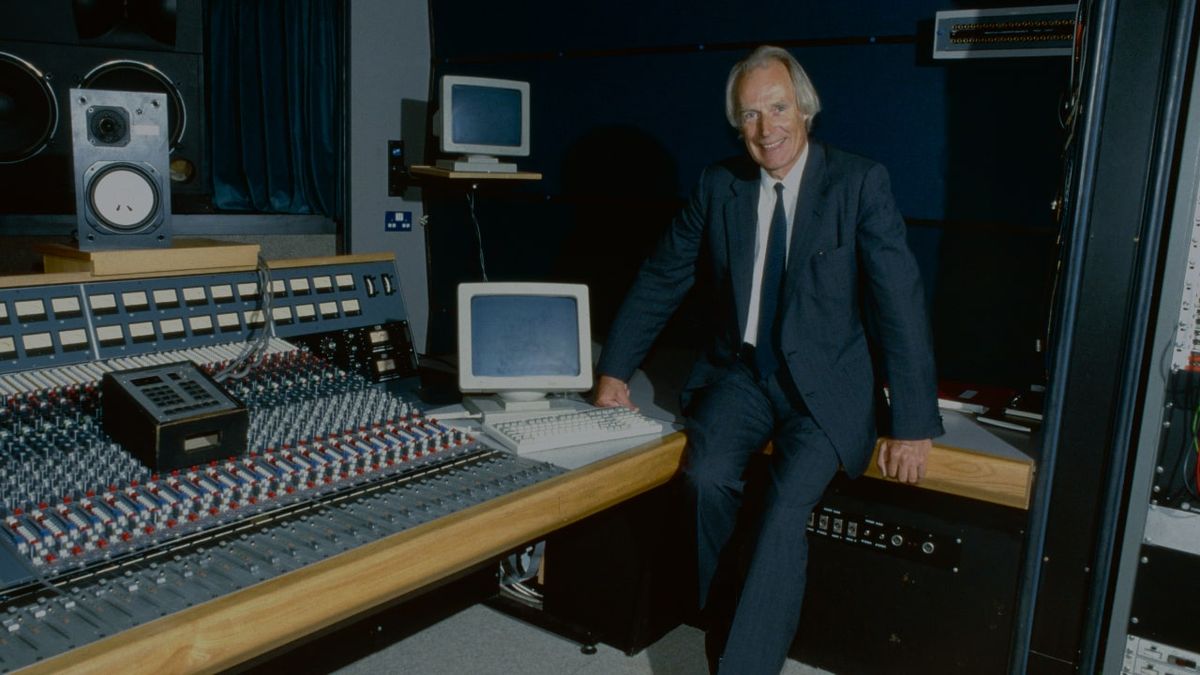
(547, 432)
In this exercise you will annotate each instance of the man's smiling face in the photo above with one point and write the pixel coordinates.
(772, 125)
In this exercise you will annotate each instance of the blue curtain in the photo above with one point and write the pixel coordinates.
(275, 92)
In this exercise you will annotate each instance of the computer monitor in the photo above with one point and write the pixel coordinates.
(521, 341)
(482, 119)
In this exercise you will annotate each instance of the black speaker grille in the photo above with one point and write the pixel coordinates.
(28, 110)
(98, 19)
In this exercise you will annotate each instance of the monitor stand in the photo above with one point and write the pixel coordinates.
(477, 163)
(514, 402)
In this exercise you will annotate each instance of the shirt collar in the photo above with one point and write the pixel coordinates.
(791, 182)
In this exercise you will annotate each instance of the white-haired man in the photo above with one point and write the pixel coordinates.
(808, 252)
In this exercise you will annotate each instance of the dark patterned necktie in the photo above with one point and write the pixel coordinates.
(766, 349)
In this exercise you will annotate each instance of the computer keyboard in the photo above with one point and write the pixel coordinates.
(546, 432)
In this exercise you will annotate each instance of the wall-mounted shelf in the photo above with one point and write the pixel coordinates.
(436, 172)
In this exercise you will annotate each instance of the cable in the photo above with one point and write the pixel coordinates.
(1164, 361)
(523, 590)
(478, 234)
(521, 567)
(254, 351)
(1068, 117)
(1194, 489)
(1182, 474)
(1070, 104)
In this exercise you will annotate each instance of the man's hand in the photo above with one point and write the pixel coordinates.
(611, 392)
(904, 460)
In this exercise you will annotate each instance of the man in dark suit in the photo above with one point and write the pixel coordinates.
(808, 254)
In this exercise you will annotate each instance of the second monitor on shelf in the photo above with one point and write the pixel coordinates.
(483, 119)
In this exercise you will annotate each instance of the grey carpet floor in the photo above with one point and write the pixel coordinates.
(482, 641)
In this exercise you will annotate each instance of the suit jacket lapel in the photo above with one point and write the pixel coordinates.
(740, 218)
(809, 203)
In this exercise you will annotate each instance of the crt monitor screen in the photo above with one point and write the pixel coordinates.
(524, 337)
(505, 345)
(483, 116)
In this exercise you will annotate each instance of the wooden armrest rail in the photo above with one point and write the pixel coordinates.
(966, 473)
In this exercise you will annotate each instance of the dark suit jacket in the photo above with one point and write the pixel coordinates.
(849, 268)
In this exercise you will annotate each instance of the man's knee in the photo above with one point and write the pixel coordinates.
(712, 477)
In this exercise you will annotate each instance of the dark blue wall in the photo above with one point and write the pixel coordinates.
(628, 108)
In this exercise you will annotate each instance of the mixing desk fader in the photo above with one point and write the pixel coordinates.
(93, 542)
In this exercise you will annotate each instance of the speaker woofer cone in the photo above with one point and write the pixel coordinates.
(124, 197)
(129, 75)
(28, 110)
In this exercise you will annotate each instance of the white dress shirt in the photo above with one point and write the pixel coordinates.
(766, 209)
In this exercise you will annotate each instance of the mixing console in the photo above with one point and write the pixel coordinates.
(93, 543)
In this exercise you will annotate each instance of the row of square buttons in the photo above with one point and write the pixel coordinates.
(69, 306)
(65, 307)
(168, 298)
(37, 344)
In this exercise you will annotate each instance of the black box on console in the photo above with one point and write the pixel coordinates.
(173, 416)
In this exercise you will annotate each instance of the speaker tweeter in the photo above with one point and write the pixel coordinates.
(120, 146)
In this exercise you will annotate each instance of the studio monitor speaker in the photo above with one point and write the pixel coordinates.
(50, 46)
(120, 148)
